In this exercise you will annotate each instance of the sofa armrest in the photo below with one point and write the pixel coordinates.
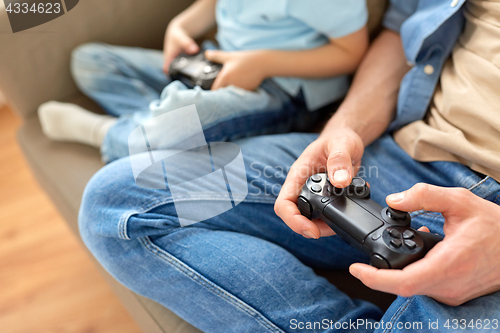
(34, 64)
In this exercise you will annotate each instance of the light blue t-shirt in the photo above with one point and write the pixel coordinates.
(291, 25)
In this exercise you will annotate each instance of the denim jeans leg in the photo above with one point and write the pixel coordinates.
(120, 79)
(226, 114)
(241, 271)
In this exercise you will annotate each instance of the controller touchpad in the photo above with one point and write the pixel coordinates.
(361, 222)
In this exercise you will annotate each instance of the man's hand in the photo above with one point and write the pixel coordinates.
(463, 266)
(340, 153)
(241, 69)
(177, 40)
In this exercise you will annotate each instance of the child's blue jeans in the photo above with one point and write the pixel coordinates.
(129, 83)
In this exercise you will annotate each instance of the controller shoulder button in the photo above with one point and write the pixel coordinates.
(316, 188)
(410, 244)
(408, 234)
(396, 242)
(316, 178)
(378, 261)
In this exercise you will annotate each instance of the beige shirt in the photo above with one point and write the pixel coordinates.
(463, 121)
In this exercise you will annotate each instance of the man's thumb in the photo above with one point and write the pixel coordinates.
(427, 197)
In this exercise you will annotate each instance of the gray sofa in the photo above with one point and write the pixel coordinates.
(34, 68)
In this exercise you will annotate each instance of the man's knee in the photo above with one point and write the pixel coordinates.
(102, 202)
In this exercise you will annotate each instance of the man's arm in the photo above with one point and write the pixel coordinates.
(364, 115)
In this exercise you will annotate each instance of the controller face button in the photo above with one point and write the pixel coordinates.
(394, 233)
(376, 235)
(410, 244)
(207, 69)
(408, 234)
(396, 242)
(316, 188)
(378, 261)
(316, 178)
(325, 199)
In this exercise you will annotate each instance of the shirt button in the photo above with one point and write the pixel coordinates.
(428, 69)
(454, 3)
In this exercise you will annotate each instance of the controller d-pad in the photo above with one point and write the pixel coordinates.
(396, 242)
(316, 188)
(410, 244)
(316, 178)
(408, 234)
(394, 233)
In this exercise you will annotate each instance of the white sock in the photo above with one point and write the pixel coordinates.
(70, 122)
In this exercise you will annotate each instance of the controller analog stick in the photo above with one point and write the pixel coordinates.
(358, 187)
(395, 214)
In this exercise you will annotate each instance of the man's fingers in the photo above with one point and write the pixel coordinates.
(431, 198)
(286, 203)
(424, 229)
(411, 280)
(340, 160)
(308, 164)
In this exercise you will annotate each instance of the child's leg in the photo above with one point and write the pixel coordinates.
(224, 114)
(70, 122)
(121, 79)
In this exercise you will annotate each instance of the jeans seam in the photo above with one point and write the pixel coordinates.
(123, 223)
(212, 287)
(398, 314)
(496, 199)
(478, 183)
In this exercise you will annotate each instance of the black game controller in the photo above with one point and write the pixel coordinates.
(385, 233)
(194, 70)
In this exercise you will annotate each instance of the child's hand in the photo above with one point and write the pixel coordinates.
(241, 69)
(177, 40)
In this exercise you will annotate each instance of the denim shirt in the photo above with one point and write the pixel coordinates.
(429, 30)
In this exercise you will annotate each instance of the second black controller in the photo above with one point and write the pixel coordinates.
(194, 70)
(384, 233)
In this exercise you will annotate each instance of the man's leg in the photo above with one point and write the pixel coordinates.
(120, 79)
(241, 271)
(389, 169)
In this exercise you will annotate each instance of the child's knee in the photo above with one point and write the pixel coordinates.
(88, 59)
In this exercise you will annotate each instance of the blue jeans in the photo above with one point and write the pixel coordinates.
(129, 83)
(245, 270)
